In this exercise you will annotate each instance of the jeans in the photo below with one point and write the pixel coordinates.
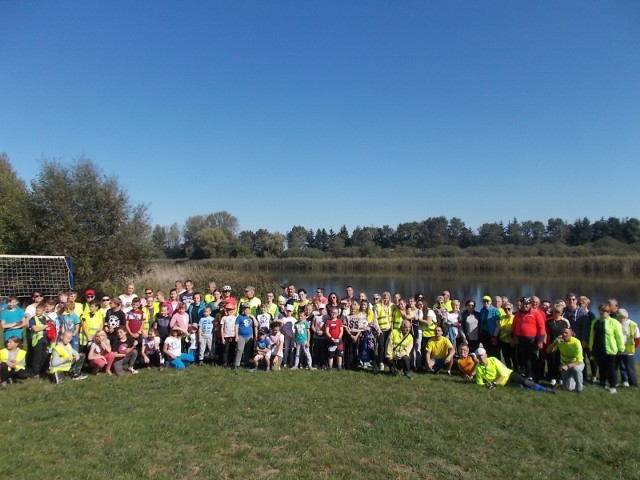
(182, 361)
(629, 371)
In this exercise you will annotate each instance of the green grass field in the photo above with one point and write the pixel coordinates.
(214, 423)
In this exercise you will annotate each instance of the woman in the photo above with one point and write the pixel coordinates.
(453, 324)
(555, 325)
(416, 332)
(584, 303)
(470, 323)
(506, 348)
(100, 354)
(333, 301)
(605, 343)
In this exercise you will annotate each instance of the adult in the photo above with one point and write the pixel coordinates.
(470, 322)
(398, 349)
(127, 297)
(489, 327)
(555, 326)
(250, 298)
(506, 349)
(440, 353)
(382, 311)
(631, 340)
(492, 372)
(186, 297)
(605, 342)
(226, 297)
(528, 333)
(571, 359)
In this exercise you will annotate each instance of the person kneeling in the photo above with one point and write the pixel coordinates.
(440, 352)
(12, 362)
(64, 359)
(263, 349)
(571, 359)
(399, 348)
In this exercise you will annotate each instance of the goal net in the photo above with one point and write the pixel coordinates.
(21, 275)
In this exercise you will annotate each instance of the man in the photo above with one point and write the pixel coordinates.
(227, 298)
(210, 295)
(579, 322)
(492, 372)
(440, 352)
(528, 332)
(446, 301)
(350, 294)
(571, 359)
(490, 327)
(251, 299)
(186, 297)
(465, 364)
(399, 348)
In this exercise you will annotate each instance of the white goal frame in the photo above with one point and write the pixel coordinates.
(21, 275)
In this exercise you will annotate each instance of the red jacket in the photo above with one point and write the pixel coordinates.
(528, 324)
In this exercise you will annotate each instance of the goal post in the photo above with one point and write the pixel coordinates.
(21, 275)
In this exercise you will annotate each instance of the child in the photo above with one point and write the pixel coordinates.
(39, 340)
(151, 352)
(70, 322)
(65, 359)
(264, 319)
(100, 354)
(368, 348)
(277, 346)
(263, 349)
(162, 322)
(205, 336)
(180, 320)
(228, 332)
(91, 322)
(12, 362)
(192, 340)
(172, 351)
(126, 350)
(134, 320)
(301, 330)
(115, 319)
(13, 318)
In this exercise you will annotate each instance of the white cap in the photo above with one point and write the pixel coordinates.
(289, 308)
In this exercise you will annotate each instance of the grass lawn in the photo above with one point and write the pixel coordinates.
(214, 423)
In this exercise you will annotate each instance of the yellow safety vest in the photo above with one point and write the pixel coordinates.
(383, 319)
(630, 347)
(4, 358)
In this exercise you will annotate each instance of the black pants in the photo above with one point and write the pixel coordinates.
(509, 355)
(39, 358)
(607, 366)
(6, 374)
(382, 344)
(528, 356)
(229, 346)
(319, 352)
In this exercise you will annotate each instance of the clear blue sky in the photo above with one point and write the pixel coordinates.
(323, 113)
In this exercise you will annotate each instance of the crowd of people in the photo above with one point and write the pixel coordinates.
(536, 344)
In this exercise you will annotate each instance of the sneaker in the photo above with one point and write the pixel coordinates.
(295, 367)
(612, 390)
(408, 376)
(625, 384)
(312, 368)
(449, 372)
(594, 380)
(393, 370)
(553, 382)
(381, 367)
(57, 378)
(268, 369)
(78, 376)
(253, 370)
(133, 370)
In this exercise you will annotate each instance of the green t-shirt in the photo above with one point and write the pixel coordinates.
(570, 351)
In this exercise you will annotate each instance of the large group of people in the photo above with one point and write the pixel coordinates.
(536, 344)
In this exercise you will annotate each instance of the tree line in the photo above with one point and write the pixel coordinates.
(214, 236)
(76, 210)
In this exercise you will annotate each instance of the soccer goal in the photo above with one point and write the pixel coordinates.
(21, 275)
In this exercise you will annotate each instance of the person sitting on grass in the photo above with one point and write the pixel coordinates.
(12, 362)
(492, 372)
(65, 359)
(100, 354)
(151, 351)
(172, 350)
(440, 352)
(126, 350)
(465, 364)
(398, 349)
(263, 351)
(571, 359)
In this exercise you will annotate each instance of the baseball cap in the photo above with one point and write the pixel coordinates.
(289, 308)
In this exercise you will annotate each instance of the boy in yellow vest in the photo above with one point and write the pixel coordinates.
(64, 359)
(12, 362)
